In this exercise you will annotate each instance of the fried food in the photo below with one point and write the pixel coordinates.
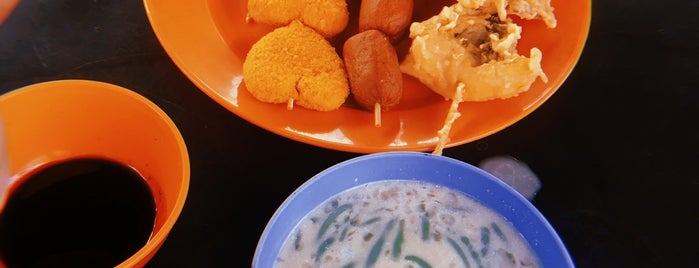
(328, 17)
(295, 63)
(526, 9)
(392, 17)
(468, 53)
(376, 81)
(470, 43)
(373, 70)
(533, 9)
(452, 115)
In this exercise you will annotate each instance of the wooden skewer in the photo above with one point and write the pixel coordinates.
(290, 104)
(377, 114)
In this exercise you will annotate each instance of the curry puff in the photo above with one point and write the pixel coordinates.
(295, 64)
(328, 17)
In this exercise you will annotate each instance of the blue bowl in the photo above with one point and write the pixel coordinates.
(440, 170)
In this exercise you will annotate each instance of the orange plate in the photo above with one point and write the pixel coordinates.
(209, 39)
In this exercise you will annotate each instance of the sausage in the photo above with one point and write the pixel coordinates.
(373, 70)
(390, 17)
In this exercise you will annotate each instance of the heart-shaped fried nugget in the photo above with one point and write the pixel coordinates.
(296, 63)
(328, 17)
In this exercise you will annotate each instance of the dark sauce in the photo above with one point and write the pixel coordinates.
(78, 213)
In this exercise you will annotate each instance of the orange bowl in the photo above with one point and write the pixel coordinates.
(56, 121)
(209, 40)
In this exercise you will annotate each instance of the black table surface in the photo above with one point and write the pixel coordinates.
(615, 147)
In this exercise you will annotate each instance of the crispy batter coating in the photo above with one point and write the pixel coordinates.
(526, 9)
(328, 17)
(473, 47)
(533, 9)
(296, 63)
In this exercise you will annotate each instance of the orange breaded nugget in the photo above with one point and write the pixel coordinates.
(296, 63)
(328, 17)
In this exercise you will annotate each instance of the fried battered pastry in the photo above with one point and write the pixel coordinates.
(295, 63)
(468, 53)
(328, 17)
(470, 43)
(526, 9)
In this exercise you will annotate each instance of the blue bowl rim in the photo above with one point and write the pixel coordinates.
(497, 195)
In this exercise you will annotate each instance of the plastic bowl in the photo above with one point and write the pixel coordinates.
(435, 169)
(54, 121)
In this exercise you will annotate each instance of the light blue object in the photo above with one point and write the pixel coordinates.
(513, 172)
(435, 169)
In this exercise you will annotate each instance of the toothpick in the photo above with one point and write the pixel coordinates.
(290, 104)
(377, 114)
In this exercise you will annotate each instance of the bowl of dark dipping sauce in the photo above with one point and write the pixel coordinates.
(95, 175)
(408, 209)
